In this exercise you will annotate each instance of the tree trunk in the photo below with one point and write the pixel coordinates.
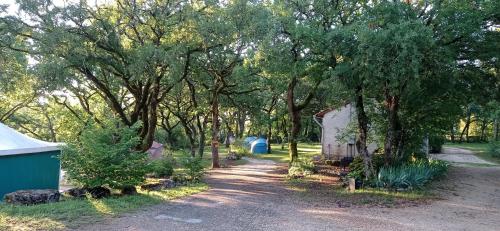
(294, 133)
(241, 123)
(497, 129)
(361, 141)
(484, 124)
(191, 137)
(201, 130)
(150, 117)
(393, 134)
(215, 130)
(452, 134)
(466, 128)
(269, 133)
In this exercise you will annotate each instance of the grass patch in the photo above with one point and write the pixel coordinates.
(480, 149)
(71, 213)
(306, 150)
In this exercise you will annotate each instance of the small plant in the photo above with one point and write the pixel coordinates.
(162, 168)
(301, 167)
(194, 168)
(239, 147)
(357, 166)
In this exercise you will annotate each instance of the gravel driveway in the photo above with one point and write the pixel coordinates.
(459, 156)
(252, 197)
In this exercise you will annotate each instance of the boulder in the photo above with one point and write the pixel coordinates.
(77, 192)
(233, 156)
(168, 183)
(99, 192)
(129, 190)
(31, 197)
(152, 187)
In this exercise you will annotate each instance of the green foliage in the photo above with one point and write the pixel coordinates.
(410, 176)
(301, 167)
(194, 168)
(162, 168)
(356, 168)
(494, 149)
(106, 156)
(436, 143)
(239, 147)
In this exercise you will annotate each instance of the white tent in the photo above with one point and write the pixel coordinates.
(13, 142)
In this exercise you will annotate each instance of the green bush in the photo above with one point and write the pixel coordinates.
(106, 156)
(410, 176)
(436, 143)
(357, 167)
(301, 167)
(194, 168)
(162, 168)
(239, 147)
(494, 149)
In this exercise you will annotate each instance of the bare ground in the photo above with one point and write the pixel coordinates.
(254, 197)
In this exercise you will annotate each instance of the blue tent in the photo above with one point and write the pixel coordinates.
(248, 141)
(259, 146)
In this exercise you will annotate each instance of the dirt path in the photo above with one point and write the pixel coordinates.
(460, 156)
(252, 197)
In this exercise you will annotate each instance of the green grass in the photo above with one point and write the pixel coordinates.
(71, 213)
(480, 149)
(306, 150)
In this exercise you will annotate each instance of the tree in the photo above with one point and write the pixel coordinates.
(127, 51)
(228, 35)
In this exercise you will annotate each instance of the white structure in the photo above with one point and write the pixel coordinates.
(334, 123)
(13, 142)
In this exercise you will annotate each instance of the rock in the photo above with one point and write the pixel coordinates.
(77, 192)
(152, 187)
(129, 190)
(31, 197)
(168, 183)
(99, 192)
(180, 179)
(233, 156)
(317, 158)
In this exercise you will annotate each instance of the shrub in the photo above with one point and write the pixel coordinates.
(436, 143)
(410, 176)
(194, 168)
(162, 168)
(106, 156)
(357, 166)
(301, 167)
(239, 147)
(494, 149)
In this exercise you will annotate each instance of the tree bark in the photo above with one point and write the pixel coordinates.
(269, 133)
(215, 130)
(201, 130)
(393, 135)
(497, 129)
(294, 114)
(466, 128)
(361, 141)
